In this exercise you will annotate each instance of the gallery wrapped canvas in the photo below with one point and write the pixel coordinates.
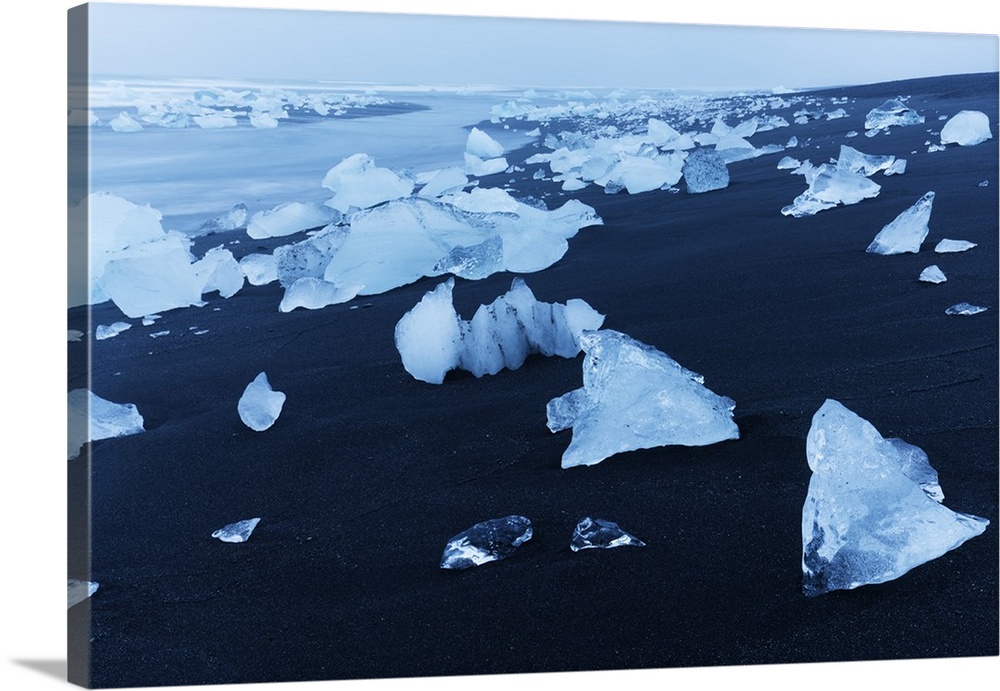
(423, 346)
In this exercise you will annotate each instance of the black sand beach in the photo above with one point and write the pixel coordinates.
(368, 472)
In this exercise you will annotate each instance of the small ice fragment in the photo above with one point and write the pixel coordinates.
(947, 245)
(260, 405)
(636, 397)
(103, 331)
(597, 533)
(984, 183)
(74, 336)
(932, 274)
(91, 418)
(907, 231)
(964, 308)
(157, 334)
(705, 170)
(78, 591)
(891, 113)
(967, 128)
(873, 509)
(898, 167)
(788, 163)
(125, 123)
(487, 541)
(150, 319)
(237, 532)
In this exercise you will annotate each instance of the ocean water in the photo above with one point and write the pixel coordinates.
(192, 175)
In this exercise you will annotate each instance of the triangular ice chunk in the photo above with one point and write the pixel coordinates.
(597, 533)
(907, 231)
(873, 510)
(484, 542)
(635, 397)
(238, 531)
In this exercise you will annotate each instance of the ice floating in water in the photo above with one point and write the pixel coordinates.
(636, 397)
(237, 532)
(78, 591)
(907, 231)
(289, 218)
(487, 541)
(967, 128)
(91, 418)
(357, 183)
(873, 508)
(932, 274)
(432, 339)
(892, 113)
(705, 170)
(597, 533)
(260, 405)
(947, 245)
(965, 308)
(103, 331)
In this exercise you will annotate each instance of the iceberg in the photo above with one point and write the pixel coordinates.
(967, 128)
(92, 418)
(933, 274)
(965, 309)
(597, 533)
(907, 231)
(78, 591)
(432, 339)
(873, 509)
(892, 113)
(289, 218)
(103, 331)
(238, 531)
(705, 170)
(947, 245)
(636, 397)
(260, 405)
(487, 541)
(357, 183)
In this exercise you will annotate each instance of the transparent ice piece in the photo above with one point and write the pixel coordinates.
(947, 245)
(907, 231)
(260, 405)
(933, 274)
(78, 591)
(597, 533)
(238, 531)
(965, 308)
(487, 541)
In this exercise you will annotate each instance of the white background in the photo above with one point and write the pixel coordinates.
(32, 406)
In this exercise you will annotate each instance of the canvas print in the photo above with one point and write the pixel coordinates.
(420, 346)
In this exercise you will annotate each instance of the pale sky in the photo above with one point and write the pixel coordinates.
(254, 43)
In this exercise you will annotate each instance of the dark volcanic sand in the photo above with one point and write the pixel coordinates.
(368, 472)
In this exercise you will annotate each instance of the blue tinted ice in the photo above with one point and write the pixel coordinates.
(485, 542)
(597, 533)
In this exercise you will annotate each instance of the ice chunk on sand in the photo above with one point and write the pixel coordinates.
(487, 541)
(829, 186)
(309, 257)
(289, 218)
(788, 163)
(856, 162)
(104, 331)
(965, 308)
(638, 174)
(482, 145)
(432, 339)
(873, 508)
(636, 397)
(260, 405)
(597, 533)
(932, 274)
(315, 293)
(260, 269)
(907, 231)
(74, 336)
(357, 183)
(967, 128)
(445, 181)
(705, 170)
(473, 262)
(219, 271)
(947, 245)
(238, 531)
(897, 167)
(892, 113)
(664, 136)
(91, 418)
(164, 270)
(78, 591)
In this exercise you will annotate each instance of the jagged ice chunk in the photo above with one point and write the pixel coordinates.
(78, 591)
(907, 231)
(705, 170)
(965, 309)
(597, 533)
(91, 418)
(947, 245)
(636, 397)
(487, 541)
(873, 508)
(238, 531)
(933, 274)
